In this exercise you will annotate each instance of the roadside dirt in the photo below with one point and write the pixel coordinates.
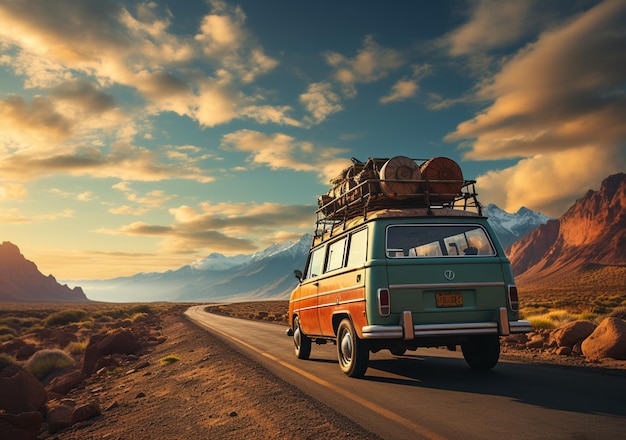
(211, 392)
(215, 392)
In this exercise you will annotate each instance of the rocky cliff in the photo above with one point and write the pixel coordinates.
(591, 233)
(20, 280)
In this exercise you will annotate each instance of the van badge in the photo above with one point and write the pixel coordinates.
(449, 275)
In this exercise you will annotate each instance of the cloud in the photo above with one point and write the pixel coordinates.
(556, 101)
(228, 228)
(281, 151)
(407, 87)
(123, 161)
(371, 63)
(320, 101)
(13, 191)
(141, 204)
(492, 24)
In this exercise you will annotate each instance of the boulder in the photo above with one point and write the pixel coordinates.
(63, 384)
(59, 417)
(119, 340)
(572, 333)
(21, 392)
(24, 426)
(85, 412)
(607, 341)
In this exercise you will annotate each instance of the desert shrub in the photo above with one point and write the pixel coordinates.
(6, 360)
(107, 315)
(76, 347)
(45, 361)
(169, 359)
(63, 317)
(139, 316)
(618, 312)
(539, 322)
(140, 308)
(7, 331)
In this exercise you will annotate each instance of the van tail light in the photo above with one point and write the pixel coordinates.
(384, 308)
(513, 298)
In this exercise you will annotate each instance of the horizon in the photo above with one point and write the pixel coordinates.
(167, 131)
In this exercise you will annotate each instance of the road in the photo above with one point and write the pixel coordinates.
(433, 394)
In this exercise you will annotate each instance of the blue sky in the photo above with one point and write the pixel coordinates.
(142, 136)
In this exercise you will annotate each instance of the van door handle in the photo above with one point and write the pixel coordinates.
(358, 278)
(316, 284)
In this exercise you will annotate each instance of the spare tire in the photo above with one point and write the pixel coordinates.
(399, 178)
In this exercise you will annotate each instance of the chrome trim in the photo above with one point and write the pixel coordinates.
(350, 301)
(521, 326)
(382, 331)
(446, 285)
(423, 330)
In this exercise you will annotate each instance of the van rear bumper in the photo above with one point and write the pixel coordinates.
(428, 330)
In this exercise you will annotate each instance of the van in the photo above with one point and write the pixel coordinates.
(402, 258)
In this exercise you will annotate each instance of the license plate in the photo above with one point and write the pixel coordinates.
(448, 299)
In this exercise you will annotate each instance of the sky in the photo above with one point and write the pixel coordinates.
(140, 136)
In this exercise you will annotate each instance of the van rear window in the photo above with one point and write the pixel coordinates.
(411, 241)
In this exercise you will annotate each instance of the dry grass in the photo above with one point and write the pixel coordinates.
(596, 290)
(269, 311)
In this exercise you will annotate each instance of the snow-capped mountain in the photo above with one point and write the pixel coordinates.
(267, 274)
(511, 227)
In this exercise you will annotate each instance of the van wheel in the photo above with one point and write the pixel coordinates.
(301, 342)
(352, 352)
(482, 352)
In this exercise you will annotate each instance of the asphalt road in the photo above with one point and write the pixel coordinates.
(433, 394)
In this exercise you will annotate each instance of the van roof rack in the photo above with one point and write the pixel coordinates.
(399, 183)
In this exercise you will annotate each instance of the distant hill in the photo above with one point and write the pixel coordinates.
(590, 237)
(20, 280)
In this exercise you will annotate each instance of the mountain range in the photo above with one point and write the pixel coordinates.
(591, 233)
(263, 275)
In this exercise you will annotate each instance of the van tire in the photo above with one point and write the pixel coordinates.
(352, 352)
(482, 352)
(301, 342)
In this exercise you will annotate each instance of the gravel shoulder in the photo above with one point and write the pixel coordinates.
(211, 392)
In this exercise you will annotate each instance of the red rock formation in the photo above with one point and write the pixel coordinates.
(591, 232)
(20, 280)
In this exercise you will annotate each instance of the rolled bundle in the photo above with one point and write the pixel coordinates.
(399, 176)
(437, 170)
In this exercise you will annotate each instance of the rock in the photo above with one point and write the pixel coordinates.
(563, 351)
(60, 417)
(536, 341)
(24, 426)
(107, 362)
(85, 412)
(63, 384)
(21, 393)
(115, 341)
(607, 341)
(572, 333)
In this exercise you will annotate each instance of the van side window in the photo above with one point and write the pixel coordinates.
(316, 262)
(335, 255)
(357, 254)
